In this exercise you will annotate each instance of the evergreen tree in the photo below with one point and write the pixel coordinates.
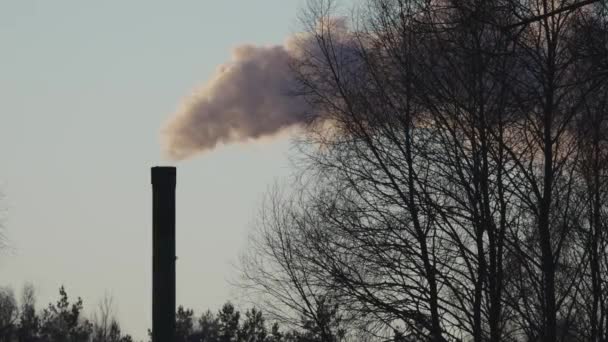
(228, 320)
(62, 322)
(323, 325)
(184, 325)
(208, 328)
(254, 327)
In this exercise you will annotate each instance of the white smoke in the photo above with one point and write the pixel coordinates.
(249, 97)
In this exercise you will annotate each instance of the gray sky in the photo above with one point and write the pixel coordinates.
(84, 89)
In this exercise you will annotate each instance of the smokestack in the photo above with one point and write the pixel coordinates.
(163, 254)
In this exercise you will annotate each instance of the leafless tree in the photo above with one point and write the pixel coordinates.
(105, 325)
(9, 313)
(450, 172)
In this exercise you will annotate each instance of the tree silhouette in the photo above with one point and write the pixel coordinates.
(209, 327)
(184, 324)
(29, 322)
(61, 321)
(452, 178)
(8, 314)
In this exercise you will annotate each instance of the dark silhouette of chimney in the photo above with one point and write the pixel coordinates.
(163, 254)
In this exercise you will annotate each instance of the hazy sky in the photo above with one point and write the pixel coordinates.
(84, 89)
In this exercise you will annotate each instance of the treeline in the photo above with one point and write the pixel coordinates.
(64, 321)
(229, 325)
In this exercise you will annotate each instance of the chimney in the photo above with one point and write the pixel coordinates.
(163, 254)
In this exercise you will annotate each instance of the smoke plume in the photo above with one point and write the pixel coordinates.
(249, 97)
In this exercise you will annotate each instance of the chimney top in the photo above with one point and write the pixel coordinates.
(163, 175)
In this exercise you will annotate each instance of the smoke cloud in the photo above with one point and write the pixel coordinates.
(249, 97)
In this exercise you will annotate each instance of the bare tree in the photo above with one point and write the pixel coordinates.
(9, 313)
(29, 323)
(444, 188)
(105, 325)
(590, 301)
